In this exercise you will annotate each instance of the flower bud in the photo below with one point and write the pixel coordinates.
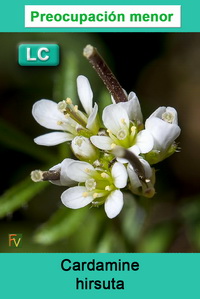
(163, 126)
(138, 186)
(84, 150)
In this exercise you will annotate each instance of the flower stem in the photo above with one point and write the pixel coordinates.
(105, 74)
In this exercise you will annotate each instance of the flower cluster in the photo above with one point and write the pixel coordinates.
(111, 157)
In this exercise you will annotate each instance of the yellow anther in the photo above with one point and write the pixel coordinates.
(76, 108)
(69, 101)
(108, 131)
(108, 188)
(85, 194)
(87, 170)
(59, 122)
(113, 145)
(95, 195)
(133, 128)
(67, 115)
(104, 175)
(122, 120)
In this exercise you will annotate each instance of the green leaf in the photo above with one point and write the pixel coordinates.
(132, 218)
(16, 140)
(65, 83)
(18, 195)
(191, 217)
(61, 225)
(106, 243)
(158, 238)
(104, 100)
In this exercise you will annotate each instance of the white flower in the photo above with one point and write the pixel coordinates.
(64, 177)
(163, 125)
(66, 117)
(96, 186)
(132, 107)
(123, 127)
(137, 186)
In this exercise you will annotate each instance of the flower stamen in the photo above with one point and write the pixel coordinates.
(95, 195)
(108, 188)
(69, 101)
(85, 194)
(104, 175)
(59, 123)
(76, 108)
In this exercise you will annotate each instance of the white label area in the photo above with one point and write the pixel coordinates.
(102, 16)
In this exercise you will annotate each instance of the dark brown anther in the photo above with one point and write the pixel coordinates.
(51, 175)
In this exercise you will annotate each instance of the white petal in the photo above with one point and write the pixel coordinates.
(91, 123)
(133, 177)
(64, 173)
(158, 112)
(64, 179)
(46, 113)
(147, 168)
(174, 113)
(122, 160)
(53, 138)
(114, 204)
(79, 171)
(113, 100)
(102, 142)
(85, 93)
(132, 107)
(134, 149)
(144, 141)
(163, 133)
(119, 174)
(115, 117)
(73, 197)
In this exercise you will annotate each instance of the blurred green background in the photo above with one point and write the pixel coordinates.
(164, 70)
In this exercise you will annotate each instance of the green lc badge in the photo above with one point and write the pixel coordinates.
(38, 54)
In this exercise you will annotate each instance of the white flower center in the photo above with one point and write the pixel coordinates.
(168, 117)
(122, 134)
(90, 184)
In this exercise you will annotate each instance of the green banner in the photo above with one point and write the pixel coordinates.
(67, 275)
(13, 20)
